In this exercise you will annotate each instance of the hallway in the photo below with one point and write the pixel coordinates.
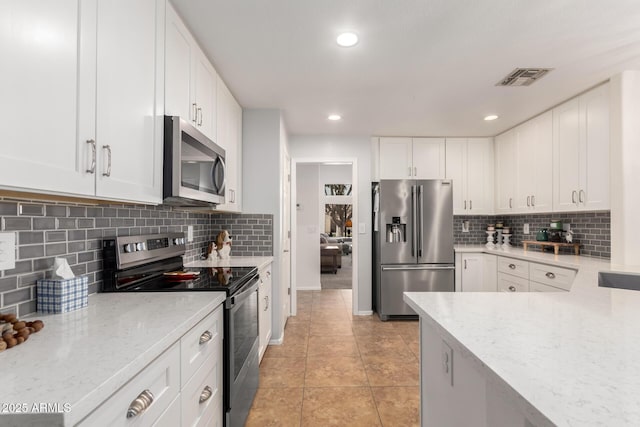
(335, 369)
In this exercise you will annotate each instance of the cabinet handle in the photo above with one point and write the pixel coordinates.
(205, 394)
(194, 113)
(92, 168)
(470, 204)
(533, 200)
(510, 203)
(529, 201)
(465, 264)
(108, 148)
(409, 170)
(205, 337)
(512, 266)
(512, 288)
(573, 196)
(550, 275)
(200, 114)
(266, 302)
(580, 199)
(415, 171)
(465, 205)
(140, 404)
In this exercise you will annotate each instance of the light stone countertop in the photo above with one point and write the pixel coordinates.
(249, 261)
(568, 358)
(84, 356)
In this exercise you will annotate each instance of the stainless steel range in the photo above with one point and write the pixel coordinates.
(153, 263)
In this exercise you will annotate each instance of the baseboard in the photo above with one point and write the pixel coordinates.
(365, 313)
(277, 341)
(309, 288)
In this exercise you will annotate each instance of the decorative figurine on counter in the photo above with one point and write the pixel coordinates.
(569, 236)
(223, 244)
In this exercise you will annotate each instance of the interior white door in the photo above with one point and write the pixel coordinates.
(594, 152)
(566, 155)
(480, 176)
(428, 158)
(130, 99)
(395, 158)
(456, 170)
(47, 82)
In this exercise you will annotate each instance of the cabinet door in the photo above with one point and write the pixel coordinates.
(472, 276)
(456, 168)
(178, 67)
(264, 319)
(480, 176)
(47, 82)
(566, 156)
(395, 158)
(130, 100)
(205, 81)
(505, 172)
(541, 169)
(594, 150)
(227, 137)
(525, 167)
(428, 158)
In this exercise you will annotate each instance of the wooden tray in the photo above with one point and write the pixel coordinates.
(556, 245)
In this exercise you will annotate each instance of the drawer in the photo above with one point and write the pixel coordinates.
(161, 378)
(514, 267)
(202, 396)
(509, 283)
(540, 287)
(204, 340)
(553, 276)
(170, 417)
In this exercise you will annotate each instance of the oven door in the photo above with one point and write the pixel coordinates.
(241, 374)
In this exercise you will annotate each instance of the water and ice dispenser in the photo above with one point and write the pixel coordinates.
(397, 230)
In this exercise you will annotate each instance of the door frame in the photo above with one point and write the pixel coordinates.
(355, 224)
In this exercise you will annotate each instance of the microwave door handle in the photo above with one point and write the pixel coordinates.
(219, 187)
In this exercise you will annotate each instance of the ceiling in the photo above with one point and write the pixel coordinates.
(421, 68)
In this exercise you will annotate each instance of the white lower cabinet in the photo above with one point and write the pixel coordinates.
(144, 399)
(509, 283)
(264, 305)
(182, 387)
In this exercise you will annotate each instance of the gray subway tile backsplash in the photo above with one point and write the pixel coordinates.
(75, 232)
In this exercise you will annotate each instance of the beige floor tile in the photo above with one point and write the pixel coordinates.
(276, 407)
(341, 406)
(331, 328)
(302, 316)
(414, 346)
(323, 371)
(398, 406)
(296, 329)
(383, 371)
(281, 372)
(329, 316)
(374, 328)
(292, 346)
(408, 328)
(333, 345)
(384, 345)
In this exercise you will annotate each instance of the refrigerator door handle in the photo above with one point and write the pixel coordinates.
(419, 267)
(414, 209)
(421, 216)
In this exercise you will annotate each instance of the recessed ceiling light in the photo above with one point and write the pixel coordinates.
(347, 39)
(334, 117)
(491, 117)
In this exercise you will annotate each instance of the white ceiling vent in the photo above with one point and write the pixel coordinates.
(523, 76)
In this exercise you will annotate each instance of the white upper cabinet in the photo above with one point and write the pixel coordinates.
(229, 131)
(47, 82)
(534, 178)
(412, 158)
(581, 152)
(505, 160)
(130, 102)
(82, 98)
(191, 80)
(469, 164)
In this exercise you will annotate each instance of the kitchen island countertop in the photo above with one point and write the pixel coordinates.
(567, 358)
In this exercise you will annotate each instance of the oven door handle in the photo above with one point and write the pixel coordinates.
(249, 288)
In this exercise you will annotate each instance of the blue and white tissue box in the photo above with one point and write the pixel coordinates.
(61, 296)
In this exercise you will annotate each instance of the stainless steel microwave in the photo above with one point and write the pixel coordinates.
(194, 166)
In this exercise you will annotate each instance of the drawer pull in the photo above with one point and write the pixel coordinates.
(205, 337)
(512, 288)
(206, 394)
(550, 275)
(512, 266)
(266, 302)
(140, 404)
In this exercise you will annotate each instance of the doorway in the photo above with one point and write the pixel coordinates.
(324, 215)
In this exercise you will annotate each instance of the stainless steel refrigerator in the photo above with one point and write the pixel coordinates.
(412, 242)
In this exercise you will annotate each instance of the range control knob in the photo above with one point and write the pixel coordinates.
(141, 246)
(178, 241)
(130, 247)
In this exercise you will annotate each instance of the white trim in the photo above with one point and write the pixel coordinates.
(365, 313)
(278, 341)
(355, 221)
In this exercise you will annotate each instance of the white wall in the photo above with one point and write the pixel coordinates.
(348, 147)
(625, 167)
(307, 229)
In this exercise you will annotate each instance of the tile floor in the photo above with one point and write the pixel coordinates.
(335, 369)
